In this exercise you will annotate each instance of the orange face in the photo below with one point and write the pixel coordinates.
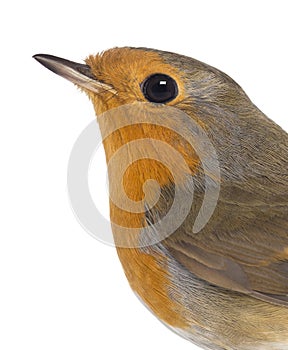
(125, 69)
(123, 72)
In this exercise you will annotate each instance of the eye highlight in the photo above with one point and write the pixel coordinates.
(159, 88)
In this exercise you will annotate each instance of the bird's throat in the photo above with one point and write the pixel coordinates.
(142, 159)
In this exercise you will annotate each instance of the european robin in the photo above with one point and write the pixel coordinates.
(223, 284)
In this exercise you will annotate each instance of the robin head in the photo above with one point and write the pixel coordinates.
(146, 79)
(124, 75)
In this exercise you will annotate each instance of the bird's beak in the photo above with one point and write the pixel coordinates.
(77, 73)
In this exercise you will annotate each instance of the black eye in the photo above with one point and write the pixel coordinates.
(159, 88)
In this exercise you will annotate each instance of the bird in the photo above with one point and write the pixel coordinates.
(222, 284)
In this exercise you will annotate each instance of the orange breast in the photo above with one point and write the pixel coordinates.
(147, 274)
(149, 278)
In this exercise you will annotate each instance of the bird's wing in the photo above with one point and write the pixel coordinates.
(244, 247)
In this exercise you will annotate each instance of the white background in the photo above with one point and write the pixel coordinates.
(60, 288)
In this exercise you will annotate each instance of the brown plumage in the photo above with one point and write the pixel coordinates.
(226, 286)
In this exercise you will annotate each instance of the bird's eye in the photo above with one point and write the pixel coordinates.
(159, 88)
